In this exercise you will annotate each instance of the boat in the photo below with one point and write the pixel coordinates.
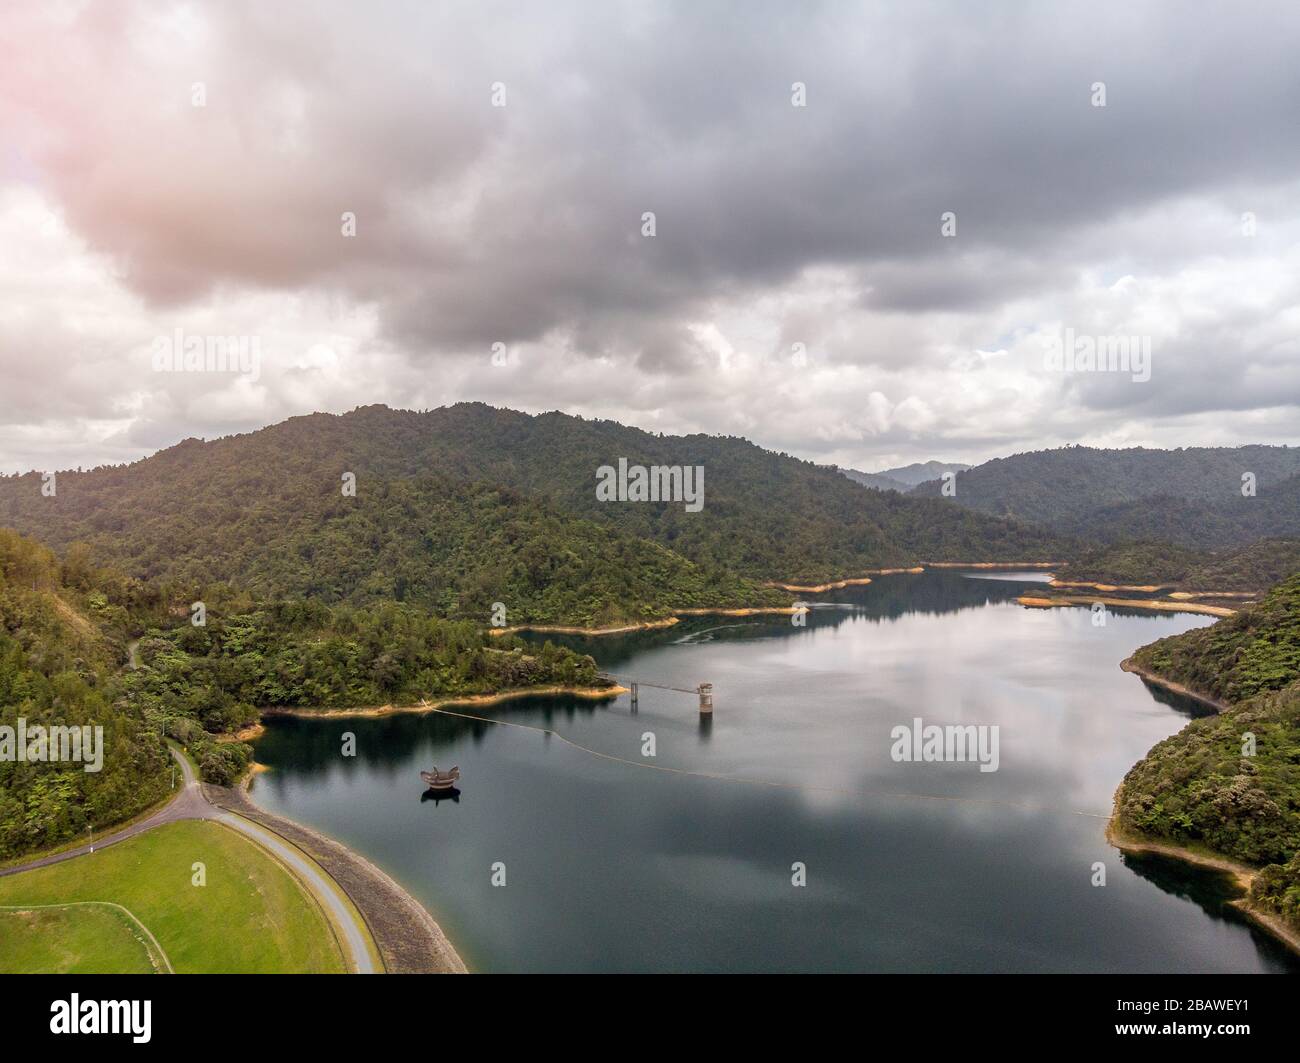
(440, 780)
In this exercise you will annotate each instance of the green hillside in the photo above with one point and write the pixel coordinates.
(1250, 569)
(1206, 786)
(1135, 563)
(1191, 496)
(253, 507)
(60, 644)
(1254, 651)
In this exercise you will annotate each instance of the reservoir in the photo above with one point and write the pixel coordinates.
(687, 861)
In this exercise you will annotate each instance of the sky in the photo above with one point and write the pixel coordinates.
(852, 232)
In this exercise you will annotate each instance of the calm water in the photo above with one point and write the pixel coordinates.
(614, 866)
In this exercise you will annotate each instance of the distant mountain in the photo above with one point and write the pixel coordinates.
(921, 471)
(465, 505)
(1191, 496)
(875, 480)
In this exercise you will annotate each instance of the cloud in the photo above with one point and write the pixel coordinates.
(774, 224)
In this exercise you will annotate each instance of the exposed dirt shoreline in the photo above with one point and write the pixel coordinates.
(1149, 588)
(1242, 876)
(992, 564)
(760, 610)
(593, 693)
(1126, 603)
(1152, 588)
(647, 625)
(848, 581)
(1155, 679)
(251, 733)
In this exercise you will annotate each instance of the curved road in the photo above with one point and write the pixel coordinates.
(190, 803)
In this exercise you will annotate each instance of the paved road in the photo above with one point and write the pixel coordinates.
(360, 959)
(190, 803)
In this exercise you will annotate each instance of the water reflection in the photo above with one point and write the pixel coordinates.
(682, 861)
(451, 794)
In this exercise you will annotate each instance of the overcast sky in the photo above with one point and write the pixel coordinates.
(127, 211)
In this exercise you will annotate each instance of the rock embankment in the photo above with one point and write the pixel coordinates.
(409, 941)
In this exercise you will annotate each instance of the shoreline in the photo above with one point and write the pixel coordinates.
(1156, 604)
(761, 610)
(1153, 588)
(1155, 679)
(248, 733)
(372, 711)
(566, 629)
(992, 564)
(647, 625)
(404, 932)
(1246, 596)
(1241, 874)
(1149, 588)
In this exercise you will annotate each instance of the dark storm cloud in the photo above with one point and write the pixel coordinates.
(522, 224)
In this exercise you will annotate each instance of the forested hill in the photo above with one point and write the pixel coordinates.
(1273, 512)
(1140, 493)
(1231, 782)
(65, 644)
(1254, 651)
(1249, 569)
(62, 637)
(267, 506)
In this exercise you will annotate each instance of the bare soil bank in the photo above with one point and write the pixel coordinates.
(1129, 665)
(1242, 876)
(1129, 603)
(594, 693)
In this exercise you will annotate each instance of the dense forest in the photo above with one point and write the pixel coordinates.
(440, 494)
(61, 631)
(1155, 562)
(452, 548)
(1205, 786)
(303, 653)
(1254, 651)
(1191, 496)
(67, 630)
(1254, 568)
(1272, 513)
(1142, 562)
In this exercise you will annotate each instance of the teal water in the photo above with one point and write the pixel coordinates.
(634, 864)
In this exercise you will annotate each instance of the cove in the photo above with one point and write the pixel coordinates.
(687, 861)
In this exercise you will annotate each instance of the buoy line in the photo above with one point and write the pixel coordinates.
(771, 783)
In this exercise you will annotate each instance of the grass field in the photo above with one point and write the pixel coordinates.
(251, 916)
(73, 939)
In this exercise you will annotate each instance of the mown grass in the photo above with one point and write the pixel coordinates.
(78, 939)
(252, 916)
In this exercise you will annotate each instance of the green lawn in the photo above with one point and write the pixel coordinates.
(252, 916)
(73, 939)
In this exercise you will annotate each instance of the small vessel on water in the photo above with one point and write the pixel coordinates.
(440, 780)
